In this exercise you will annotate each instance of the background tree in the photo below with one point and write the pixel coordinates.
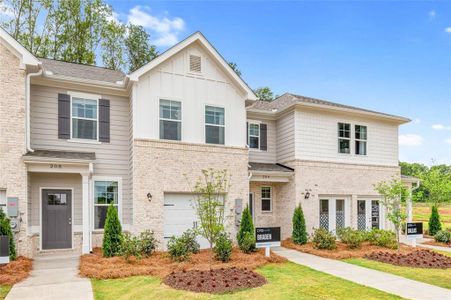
(138, 48)
(393, 193)
(264, 93)
(234, 66)
(112, 235)
(299, 234)
(113, 46)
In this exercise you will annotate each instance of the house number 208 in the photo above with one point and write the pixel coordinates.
(53, 166)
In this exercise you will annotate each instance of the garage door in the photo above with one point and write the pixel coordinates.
(180, 215)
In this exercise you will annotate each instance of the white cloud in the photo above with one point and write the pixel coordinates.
(6, 10)
(440, 127)
(448, 29)
(432, 13)
(164, 30)
(410, 140)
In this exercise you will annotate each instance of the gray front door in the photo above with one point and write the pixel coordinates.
(56, 219)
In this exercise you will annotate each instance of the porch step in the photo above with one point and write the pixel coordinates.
(57, 253)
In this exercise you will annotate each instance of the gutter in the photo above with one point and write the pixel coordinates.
(27, 107)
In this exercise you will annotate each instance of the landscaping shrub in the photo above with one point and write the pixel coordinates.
(223, 247)
(112, 235)
(434, 221)
(180, 248)
(382, 238)
(443, 236)
(148, 243)
(299, 234)
(131, 246)
(5, 229)
(351, 237)
(323, 239)
(246, 228)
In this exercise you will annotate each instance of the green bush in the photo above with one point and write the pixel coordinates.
(351, 237)
(223, 247)
(246, 229)
(148, 243)
(180, 248)
(112, 235)
(299, 234)
(5, 229)
(323, 239)
(434, 221)
(382, 238)
(443, 236)
(131, 246)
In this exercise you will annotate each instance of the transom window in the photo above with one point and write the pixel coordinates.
(214, 125)
(84, 118)
(105, 193)
(344, 138)
(170, 120)
(266, 198)
(360, 139)
(254, 136)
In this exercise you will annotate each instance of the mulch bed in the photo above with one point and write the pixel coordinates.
(159, 264)
(15, 271)
(214, 281)
(342, 251)
(417, 259)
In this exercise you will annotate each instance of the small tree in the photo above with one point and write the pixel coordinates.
(299, 234)
(246, 226)
(393, 193)
(5, 229)
(112, 235)
(434, 221)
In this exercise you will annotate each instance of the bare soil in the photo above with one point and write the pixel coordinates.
(15, 271)
(159, 264)
(417, 259)
(214, 281)
(342, 251)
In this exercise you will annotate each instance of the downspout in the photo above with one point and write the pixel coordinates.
(27, 107)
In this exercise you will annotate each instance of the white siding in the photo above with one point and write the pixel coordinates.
(268, 156)
(173, 81)
(112, 159)
(285, 138)
(317, 139)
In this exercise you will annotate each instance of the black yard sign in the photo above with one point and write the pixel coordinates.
(414, 229)
(267, 234)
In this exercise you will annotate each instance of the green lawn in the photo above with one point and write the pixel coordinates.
(286, 281)
(4, 289)
(422, 211)
(438, 277)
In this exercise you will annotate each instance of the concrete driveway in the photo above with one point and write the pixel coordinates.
(53, 277)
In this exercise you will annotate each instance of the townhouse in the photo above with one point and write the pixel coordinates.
(75, 138)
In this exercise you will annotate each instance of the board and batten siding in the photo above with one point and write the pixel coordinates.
(285, 136)
(317, 138)
(172, 80)
(269, 155)
(112, 159)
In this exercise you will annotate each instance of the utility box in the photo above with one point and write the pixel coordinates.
(12, 209)
(4, 249)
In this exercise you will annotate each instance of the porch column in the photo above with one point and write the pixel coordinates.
(86, 246)
(409, 206)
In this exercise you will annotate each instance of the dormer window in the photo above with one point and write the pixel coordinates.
(195, 63)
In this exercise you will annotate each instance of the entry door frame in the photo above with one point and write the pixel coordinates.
(71, 189)
(368, 211)
(332, 201)
(253, 205)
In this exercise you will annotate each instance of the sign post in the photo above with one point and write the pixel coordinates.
(267, 237)
(414, 231)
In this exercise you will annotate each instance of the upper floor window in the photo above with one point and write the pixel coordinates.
(170, 120)
(214, 125)
(360, 139)
(344, 138)
(84, 118)
(254, 136)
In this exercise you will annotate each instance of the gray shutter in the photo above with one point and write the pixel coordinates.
(63, 116)
(263, 137)
(247, 133)
(104, 120)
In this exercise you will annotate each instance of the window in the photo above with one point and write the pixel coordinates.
(170, 120)
(339, 213)
(360, 139)
(344, 138)
(3, 200)
(324, 213)
(105, 193)
(84, 118)
(214, 125)
(254, 136)
(266, 199)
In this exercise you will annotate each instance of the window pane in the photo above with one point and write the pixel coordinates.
(84, 129)
(266, 205)
(84, 108)
(170, 130)
(360, 148)
(91, 109)
(254, 129)
(100, 216)
(344, 146)
(253, 142)
(266, 192)
(165, 109)
(344, 130)
(324, 206)
(214, 134)
(106, 192)
(78, 108)
(360, 132)
(214, 115)
(176, 113)
(56, 199)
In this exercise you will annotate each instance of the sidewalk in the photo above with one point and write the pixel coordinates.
(53, 277)
(423, 240)
(389, 283)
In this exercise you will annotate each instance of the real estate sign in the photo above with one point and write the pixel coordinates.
(414, 230)
(267, 237)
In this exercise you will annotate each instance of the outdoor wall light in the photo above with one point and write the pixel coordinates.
(307, 195)
(149, 196)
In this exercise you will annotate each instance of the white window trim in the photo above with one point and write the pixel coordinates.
(119, 198)
(249, 135)
(361, 140)
(343, 138)
(217, 125)
(166, 119)
(270, 199)
(87, 97)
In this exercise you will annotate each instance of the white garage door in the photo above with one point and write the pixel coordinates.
(180, 215)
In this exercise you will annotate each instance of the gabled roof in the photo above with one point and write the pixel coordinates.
(26, 58)
(289, 100)
(196, 37)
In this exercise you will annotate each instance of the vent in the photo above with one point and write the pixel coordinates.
(195, 63)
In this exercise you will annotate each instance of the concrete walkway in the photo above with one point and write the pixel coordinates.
(53, 277)
(420, 243)
(386, 282)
